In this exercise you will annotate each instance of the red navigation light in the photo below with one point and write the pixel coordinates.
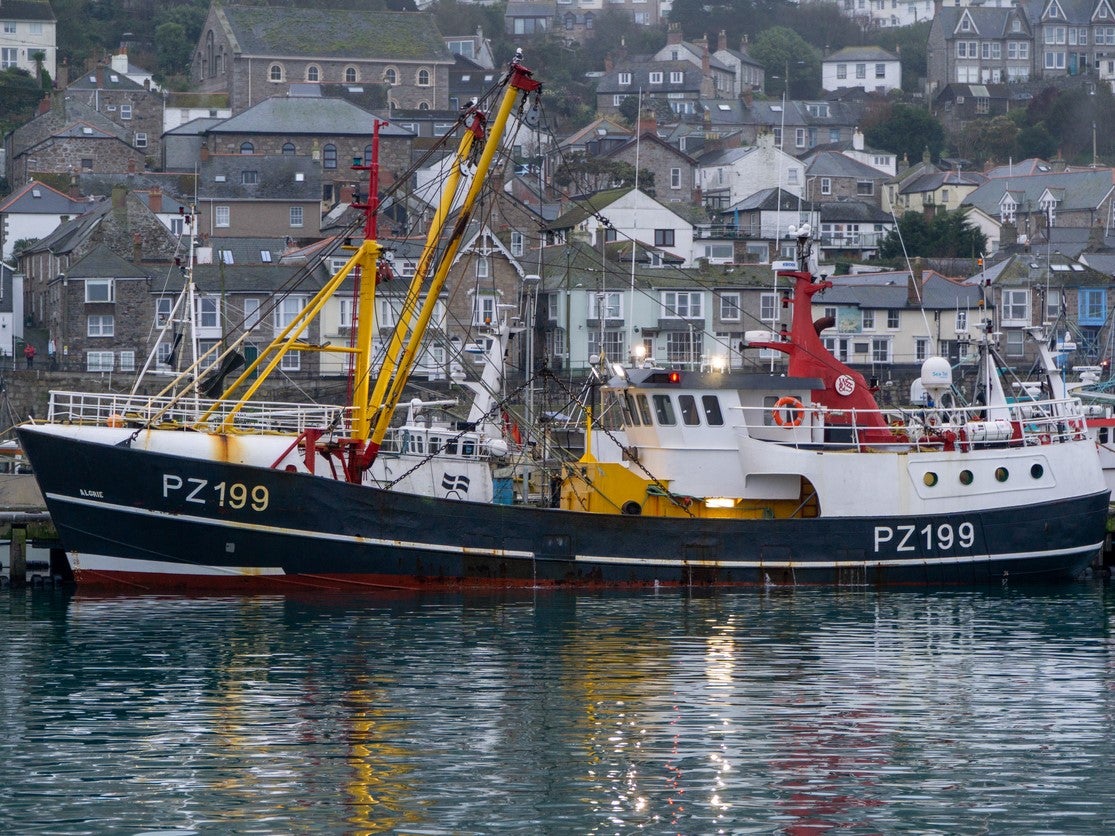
(674, 377)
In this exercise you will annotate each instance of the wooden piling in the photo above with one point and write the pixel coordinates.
(17, 556)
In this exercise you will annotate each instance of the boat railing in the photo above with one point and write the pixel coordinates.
(107, 409)
(961, 427)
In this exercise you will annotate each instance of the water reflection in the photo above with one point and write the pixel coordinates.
(794, 712)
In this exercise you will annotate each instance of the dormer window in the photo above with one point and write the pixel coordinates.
(625, 79)
(656, 78)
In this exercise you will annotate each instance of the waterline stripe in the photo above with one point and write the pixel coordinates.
(294, 532)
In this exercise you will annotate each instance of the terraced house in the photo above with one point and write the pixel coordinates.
(1040, 40)
(253, 53)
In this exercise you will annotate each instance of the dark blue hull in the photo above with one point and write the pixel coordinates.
(136, 518)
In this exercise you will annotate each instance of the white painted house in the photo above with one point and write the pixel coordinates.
(870, 67)
(33, 212)
(28, 29)
(728, 176)
(631, 214)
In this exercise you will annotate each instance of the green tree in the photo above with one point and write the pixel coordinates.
(906, 130)
(948, 235)
(19, 95)
(781, 50)
(988, 140)
(173, 49)
(1036, 141)
(909, 44)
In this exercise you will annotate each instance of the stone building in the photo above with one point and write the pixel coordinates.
(253, 53)
(136, 109)
(259, 194)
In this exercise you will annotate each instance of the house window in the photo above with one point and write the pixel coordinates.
(880, 350)
(569, 20)
(251, 313)
(729, 307)
(516, 243)
(125, 111)
(247, 148)
(275, 73)
(127, 361)
(861, 71)
(423, 77)
(329, 156)
(249, 178)
(892, 319)
(880, 71)
(663, 237)
(656, 78)
(826, 185)
(207, 312)
(675, 178)
(961, 321)
(768, 307)
(141, 140)
(100, 290)
(9, 27)
(351, 75)
(1016, 343)
(682, 304)
(1093, 306)
(921, 349)
(865, 187)
(9, 58)
(287, 309)
(867, 320)
(313, 73)
(1016, 307)
(163, 307)
(288, 149)
(391, 76)
(291, 362)
(799, 139)
(841, 70)
(296, 216)
(99, 361)
(683, 347)
(483, 267)
(676, 77)
(625, 79)
(221, 216)
(610, 305)
(86, 163)
(590, 21)
(100, 325)
(483, 309)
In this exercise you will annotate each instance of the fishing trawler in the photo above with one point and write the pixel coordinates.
(725, 479)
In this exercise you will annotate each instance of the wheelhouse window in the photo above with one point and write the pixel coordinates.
(690, 416)
(713, 416)
(664, 410)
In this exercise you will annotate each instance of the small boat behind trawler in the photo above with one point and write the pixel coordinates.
(725, 479)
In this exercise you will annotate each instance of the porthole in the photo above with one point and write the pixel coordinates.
(1002, 474)
(930, 479)
(965, 477)
(1037, 471)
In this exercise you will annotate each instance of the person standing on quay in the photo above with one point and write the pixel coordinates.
(29, 353)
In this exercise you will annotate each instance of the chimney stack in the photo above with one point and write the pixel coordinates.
(913, 286)
(721, 41)
(155, 200)
(648, 122)
(673, 34)
(857, 139)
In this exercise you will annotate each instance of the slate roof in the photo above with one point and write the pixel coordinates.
(336, 34)
(1081, 190)
(769, 200)
(640, 77)
(853, 211)
(27, 10)
(305, 115)
(860, 53)
(835, 164)
(890, 290)
(112, 80)
(1022, 168)
(588, 207)
(37, 198)
(101, 261)
(249, 250)
(277, 177)
(933, 180)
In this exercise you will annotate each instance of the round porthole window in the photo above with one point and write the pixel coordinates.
(930, 479)
(1037, 471)
(965, 477)
(1002, 474)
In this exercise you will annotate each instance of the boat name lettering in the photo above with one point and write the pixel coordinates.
(940, 537)
(93, 494)
(234, 495)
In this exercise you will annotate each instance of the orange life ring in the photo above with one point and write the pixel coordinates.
(795, 410)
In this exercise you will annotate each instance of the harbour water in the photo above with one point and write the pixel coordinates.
(778, 711)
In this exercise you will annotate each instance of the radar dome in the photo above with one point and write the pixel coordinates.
(936, 375)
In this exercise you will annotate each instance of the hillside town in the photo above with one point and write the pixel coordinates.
(651, 232)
